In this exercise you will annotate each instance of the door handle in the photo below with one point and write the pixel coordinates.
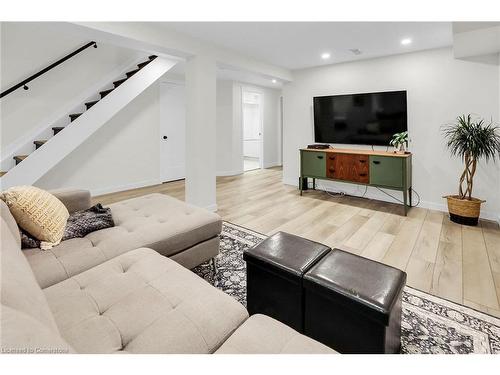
(165, 137)
(362, 161)
(362, 174)
(376, 162)
(320, 157)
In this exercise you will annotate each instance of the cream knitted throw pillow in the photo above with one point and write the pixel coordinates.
(38, 212)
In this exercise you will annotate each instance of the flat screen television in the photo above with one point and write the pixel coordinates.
(362, 119)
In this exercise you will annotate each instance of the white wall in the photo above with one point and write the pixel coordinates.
(28, 47)
(439, 89)
(227, 132)
(272, 128)
(123, 154)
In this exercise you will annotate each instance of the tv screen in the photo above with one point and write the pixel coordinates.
(363, 119)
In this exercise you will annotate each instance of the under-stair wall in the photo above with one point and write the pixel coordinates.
(83, 126)
(123, 154)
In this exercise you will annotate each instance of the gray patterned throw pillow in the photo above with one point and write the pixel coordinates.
(80, 223)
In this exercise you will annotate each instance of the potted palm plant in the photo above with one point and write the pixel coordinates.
(470, 140)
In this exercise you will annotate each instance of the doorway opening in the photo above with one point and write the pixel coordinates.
(252, 130)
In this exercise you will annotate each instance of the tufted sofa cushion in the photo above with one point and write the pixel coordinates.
(261, 334)
(142, 302)
(156, 221)
(22, 333)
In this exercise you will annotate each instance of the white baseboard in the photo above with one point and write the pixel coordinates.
(230, 173)
(485, 214)
(290, 181)
(137, 185)
(272, 164)
(124, 187)
(212, 207)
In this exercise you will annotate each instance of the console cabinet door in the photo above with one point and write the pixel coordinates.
(313, 163)
(348, 167)
(386, 171)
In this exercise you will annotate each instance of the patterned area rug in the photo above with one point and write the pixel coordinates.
(429, 325)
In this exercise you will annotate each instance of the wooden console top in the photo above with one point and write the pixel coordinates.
(358, 152)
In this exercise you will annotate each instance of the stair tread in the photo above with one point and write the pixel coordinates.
(74, 116)
(2, 173)
(105, 92)
(19, 158)
(89, 105)
(41, 141)
(132, 72)
(57, 129)
(119, 82)
(143, 64)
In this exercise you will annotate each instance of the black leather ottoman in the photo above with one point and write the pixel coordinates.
(353, 304)
(275, 268)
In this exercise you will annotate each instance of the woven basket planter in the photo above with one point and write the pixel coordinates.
(464, 211)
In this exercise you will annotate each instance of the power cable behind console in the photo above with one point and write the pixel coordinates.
(344, 194)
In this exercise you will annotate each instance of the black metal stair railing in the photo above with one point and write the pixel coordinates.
(24, 83)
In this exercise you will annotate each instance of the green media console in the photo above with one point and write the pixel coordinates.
(386, 170)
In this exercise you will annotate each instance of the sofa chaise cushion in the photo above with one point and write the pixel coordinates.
(261, 334)
(156, 221)
(142, 302)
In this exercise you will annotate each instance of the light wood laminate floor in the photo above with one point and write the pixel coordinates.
(455, 262)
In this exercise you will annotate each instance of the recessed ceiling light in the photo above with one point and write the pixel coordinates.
(406, 41)
(325, 55)
(274, 81)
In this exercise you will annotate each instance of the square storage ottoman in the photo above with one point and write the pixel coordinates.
(353, 304)
(275, 268)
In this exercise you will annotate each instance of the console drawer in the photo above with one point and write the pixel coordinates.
(313, 163)
(348, 167)
(386, 171)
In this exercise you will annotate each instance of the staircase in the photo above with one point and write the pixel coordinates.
(48, 152)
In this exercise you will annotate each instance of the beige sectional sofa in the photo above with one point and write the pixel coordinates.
(108, 293)
(185, 233)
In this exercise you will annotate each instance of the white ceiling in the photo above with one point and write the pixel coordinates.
(297, 45)
(234, 74)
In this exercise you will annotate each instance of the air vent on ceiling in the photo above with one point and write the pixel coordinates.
(355, 51)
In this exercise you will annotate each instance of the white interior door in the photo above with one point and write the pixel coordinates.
(252, 130)
(172, 131)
